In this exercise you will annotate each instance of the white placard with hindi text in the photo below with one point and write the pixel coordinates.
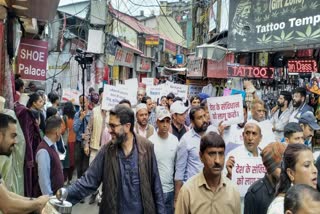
(246, 171)
(112, 95)
(194, 90)
(155, 92)
(148, 81)
(228, 109)
(71, 95)
(132, 85)
(178, 90)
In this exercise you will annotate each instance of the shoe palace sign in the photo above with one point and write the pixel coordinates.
(32, 59)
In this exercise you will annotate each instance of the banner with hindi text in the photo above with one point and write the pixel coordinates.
(228, 109)
(246, 171)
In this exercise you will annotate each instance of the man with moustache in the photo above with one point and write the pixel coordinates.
(299, 104)
(251, 137)
(209, 191)
(142, 127)
(281, 117)
(9, 201)
(261, 193)
(258, 113)
(127, 168)
(188, 161)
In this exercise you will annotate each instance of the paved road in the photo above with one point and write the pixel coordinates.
(85, 208)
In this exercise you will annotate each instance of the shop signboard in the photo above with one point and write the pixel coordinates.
(32, 59)
(273, 24)
(152, 40)
(143, 64)
(302, 66)
(236, 70)
(170, 47)
(124, 58)
(194, 66)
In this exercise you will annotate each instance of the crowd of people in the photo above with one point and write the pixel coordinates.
(162, 156)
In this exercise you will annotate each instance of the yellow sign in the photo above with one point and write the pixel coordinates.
(152, 40)
(115, 72)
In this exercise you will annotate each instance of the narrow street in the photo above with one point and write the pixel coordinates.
(85, 208)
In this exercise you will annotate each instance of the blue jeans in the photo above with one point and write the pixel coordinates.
(168, 202)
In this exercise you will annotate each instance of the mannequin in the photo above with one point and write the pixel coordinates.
(11, 167)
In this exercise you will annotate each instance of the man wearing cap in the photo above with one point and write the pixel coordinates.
(179, 113)
(261, 193)
(281, 117)
(142, 127)
(308, 123)
(165, 148)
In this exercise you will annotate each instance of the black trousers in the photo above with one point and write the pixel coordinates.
(81, 159)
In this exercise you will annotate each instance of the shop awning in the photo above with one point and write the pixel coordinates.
(42, 10)
(172, 71)
(127, 46)
(213, 52)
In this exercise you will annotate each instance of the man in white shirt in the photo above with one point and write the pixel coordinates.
(142, 127)
(165, 149)
(281, 117)
(233, 135)
(252, 137)
(258, 113)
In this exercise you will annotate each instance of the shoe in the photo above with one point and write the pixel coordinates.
(82, 201)
(93, 198)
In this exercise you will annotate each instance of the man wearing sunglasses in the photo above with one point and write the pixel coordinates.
(127, 168)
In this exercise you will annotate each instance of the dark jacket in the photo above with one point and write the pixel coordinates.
(32, 136)
(56, 172)
(259, 196)
(105, 168)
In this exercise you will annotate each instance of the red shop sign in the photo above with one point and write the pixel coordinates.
(250, 71)
(32, 59)
(302, 66)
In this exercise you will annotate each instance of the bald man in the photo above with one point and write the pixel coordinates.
(251, 139)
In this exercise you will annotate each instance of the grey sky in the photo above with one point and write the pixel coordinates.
(127, 7)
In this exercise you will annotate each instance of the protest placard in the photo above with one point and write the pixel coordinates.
(155, 92)
(194, 90)
(112, 95)
(148, 81)
(71, 95)
(178, 90)
(228, 109)
(132, 85)
(246, 171)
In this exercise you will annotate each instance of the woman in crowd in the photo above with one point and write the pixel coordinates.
(36, 103)
(69, 161)
(297, 168)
